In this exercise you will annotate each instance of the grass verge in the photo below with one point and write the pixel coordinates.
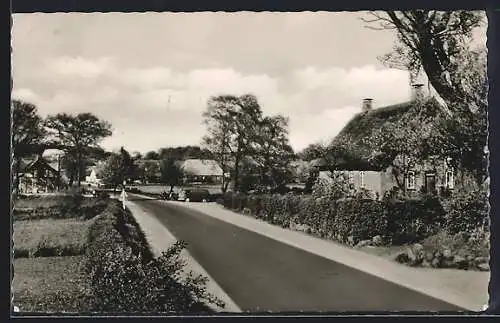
(50, 237)
(50, 284)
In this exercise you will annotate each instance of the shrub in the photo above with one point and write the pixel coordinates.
(354, 218)
(412, 220)
(360, 219)
(124, 276)
(466, 211)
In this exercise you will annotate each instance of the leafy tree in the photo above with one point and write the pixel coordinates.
(80, 135)
(184, 152)
(232, 124)
(313, 151)
(333, 187)
(152, 155)
(27, 133)
(151, 171)
(118, 168)
(272, 152)
(439, 43)
(113, 171)
(136, 155)
(171, 173)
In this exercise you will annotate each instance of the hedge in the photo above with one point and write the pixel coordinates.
(347, 220)
(125, 277)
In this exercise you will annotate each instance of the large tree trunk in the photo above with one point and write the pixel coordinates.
(236, 173)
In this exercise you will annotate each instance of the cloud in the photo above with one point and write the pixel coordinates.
(25, 94)
(79, 67)
(157, 106)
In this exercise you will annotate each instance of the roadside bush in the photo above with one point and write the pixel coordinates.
(464, 250)
(412, 220)
(360, 219)
(125, 277)
(466, 211)
(350, 219)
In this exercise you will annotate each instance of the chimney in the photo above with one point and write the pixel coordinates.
(367, 104)
(417, 93)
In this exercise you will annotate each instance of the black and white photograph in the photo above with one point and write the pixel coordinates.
(208, 163)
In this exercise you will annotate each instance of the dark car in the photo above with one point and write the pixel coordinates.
(194, 195)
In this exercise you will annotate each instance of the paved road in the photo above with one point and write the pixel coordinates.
(262, 274)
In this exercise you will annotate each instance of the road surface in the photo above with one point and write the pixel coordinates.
(261, 274)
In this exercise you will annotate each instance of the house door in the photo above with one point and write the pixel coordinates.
(430, 183)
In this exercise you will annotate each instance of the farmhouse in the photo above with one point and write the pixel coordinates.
(377, 174)
(203, 171)
(37, 175)
(93, 175)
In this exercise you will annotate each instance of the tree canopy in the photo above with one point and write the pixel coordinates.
(80, 134)
(440, 43)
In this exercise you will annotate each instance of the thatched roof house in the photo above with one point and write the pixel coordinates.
(201, 167)
(356, 152)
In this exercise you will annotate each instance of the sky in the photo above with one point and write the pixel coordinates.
(314, 68)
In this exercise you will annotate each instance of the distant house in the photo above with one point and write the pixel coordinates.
(205, 171)
(93, 175)
(37, 175)
(377, 174)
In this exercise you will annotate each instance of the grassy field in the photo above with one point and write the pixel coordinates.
(50, 284)
(48, 252)
(39, 202)
(50, 237)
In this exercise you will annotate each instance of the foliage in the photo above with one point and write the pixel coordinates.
(27, 128)
(184, 152)
(411, 220)
(80, 135)
(171, 173)
(253, 148)
(27, 132)
(232, 125)
(348, 220)
(150, 170)
(334, 187)
(152, 155)
(440, 43)
(116, 168)
(272, 151)
(466, 211)
(124, 276)
(312, 152)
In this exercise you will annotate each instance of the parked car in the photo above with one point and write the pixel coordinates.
(194, 195)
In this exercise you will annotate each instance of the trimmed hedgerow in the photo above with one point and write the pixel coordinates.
(347, 220)
(125, 277)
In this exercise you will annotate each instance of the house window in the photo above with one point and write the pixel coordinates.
(410, 181)
(362, 179)
(449, 179)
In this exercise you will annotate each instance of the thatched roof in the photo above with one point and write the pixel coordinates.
(360, 153)
(201, 167)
